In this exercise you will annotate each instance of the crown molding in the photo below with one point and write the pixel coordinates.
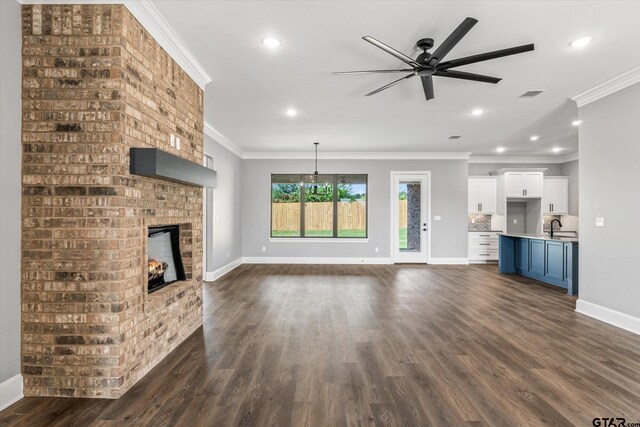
(524, 159)
(152, 20)
(608, 87)
(214, 134)
(357, 155)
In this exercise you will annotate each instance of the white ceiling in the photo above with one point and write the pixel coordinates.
(253, 85)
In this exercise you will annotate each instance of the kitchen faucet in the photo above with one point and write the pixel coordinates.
(559, 224)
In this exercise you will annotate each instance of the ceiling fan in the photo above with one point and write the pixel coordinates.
(427, 65)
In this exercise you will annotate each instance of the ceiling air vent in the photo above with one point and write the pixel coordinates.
(531, 93)
(454, 137)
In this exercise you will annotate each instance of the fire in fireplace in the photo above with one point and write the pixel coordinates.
(164, 260)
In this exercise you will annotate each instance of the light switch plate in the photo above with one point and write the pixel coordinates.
(599, 221)
(515, 220)
(437, 218)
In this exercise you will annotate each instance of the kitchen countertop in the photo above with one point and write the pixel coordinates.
(539, 237)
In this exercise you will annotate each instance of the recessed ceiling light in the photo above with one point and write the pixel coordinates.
(271, 42)
(576, 122)
(581, 42)
(477, 112)
(534, 138)
(500, 149)
(291, 112)
(556, 149)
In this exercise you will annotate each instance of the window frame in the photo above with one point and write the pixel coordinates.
(334, 183)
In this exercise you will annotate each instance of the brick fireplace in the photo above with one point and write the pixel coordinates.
(96, 84)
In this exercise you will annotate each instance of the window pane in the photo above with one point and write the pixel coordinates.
(352, 206)
(318, 206)
(285, 205)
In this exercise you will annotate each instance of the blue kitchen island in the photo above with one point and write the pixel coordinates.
(550, 260)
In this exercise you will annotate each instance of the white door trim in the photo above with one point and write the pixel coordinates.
(392, 218)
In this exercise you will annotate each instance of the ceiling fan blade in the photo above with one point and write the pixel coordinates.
(393, 83)
(452, 40)
(409, 70)
(485, 56)
(427, 85)
(466, 76)
(401, 56)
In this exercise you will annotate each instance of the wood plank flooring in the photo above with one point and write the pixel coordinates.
(372, 345)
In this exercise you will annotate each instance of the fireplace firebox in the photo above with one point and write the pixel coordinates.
(164, 258)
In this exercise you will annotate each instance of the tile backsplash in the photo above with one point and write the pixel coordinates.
(479, 222)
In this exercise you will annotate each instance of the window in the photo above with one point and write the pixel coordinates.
(319, 206)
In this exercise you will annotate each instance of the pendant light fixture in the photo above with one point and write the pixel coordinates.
(315, 174)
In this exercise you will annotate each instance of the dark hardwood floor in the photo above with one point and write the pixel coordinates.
(375, 345)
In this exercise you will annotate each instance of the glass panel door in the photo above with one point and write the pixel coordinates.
(410, 218)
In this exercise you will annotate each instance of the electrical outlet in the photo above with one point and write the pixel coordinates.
(172, 140)
(600, 221)
(473, 220)
(437, 218)
(377, 249)
(228, 254)
(515, 220)
(264, 249)
(178, 143)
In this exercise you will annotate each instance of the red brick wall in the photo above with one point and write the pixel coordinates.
(95, 84)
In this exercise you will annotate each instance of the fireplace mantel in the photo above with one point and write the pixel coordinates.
(155, 163)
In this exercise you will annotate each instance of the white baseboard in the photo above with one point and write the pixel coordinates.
(316, 260)
(607, 315)
(10, 391)
(340, 260)
(449, 261)
(210, 276)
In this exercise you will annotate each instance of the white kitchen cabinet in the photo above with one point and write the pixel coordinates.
(555, 197)
(523, 184)
(482, 195)
(483, 246)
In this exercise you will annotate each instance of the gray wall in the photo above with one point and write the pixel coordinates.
(10, 161)
(223, 221)
(571, 169)
(609, 144)
(449, 200)
(553, 169)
